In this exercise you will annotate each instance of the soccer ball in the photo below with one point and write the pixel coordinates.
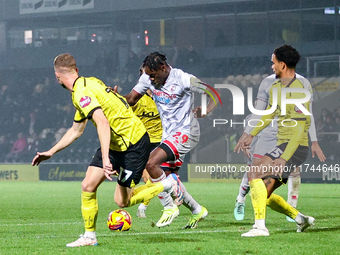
(119, 220)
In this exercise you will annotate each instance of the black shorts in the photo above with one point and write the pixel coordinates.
(130, 163)
(153, 146)
(299, 156)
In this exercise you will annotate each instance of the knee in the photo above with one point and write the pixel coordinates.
(121, 203)
(151, 165)
(86, 186)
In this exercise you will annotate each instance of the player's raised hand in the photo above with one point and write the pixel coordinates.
(41, 156)
(198, 112)
(317, 150)
(238, 146)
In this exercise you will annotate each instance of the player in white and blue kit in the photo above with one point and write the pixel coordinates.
(267, 140)
(172, 92)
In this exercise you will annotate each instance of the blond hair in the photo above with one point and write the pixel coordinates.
(65, 63)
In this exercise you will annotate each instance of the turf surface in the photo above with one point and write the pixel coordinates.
(41, 217)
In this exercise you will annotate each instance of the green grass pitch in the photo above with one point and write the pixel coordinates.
(41, 217)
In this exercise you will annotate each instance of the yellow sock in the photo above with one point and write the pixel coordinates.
(89, 210)
(258, 198)
(145, 192)
(147, 202)
(277, 203)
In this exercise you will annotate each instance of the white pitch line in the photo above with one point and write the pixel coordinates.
(40, 224)
(193, 232)
(129, 233)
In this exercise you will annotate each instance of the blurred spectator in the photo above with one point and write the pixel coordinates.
(325, 113)
(3, 93)
(18, 148)
(220, 39)
(32, 147)
(336, 113)
(4, 147)
(320, 125)
(102, 65)
(330, 125)
(337, 122)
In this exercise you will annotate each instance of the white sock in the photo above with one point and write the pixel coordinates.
(260, 223)
(294, 183)
(299, 218)
(90, 234)
(166, 183)
(243, 190)
(189, 202)
(165, 198)
(142, 206)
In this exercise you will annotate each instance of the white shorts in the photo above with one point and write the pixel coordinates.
(265, 143)
(176, 145)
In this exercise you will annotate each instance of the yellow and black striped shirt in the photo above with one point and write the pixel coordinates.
(146, 110)
(90, 94)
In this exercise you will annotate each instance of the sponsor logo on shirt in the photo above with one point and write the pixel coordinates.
(85, 101)
(297, 109)
(163, 97)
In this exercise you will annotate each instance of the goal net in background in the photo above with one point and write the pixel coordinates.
(323, 66)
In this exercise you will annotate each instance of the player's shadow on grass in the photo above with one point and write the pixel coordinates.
(315, 230)
(160, 239)
(239, 223)
(326, 217)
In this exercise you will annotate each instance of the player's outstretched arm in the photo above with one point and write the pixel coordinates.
(71, 135)
(316, 149)
(132, 98)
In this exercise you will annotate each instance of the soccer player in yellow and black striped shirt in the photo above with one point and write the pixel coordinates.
(291, 150)
(124, 145)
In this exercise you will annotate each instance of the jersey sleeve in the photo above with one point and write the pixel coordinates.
(263, 92)
(143, 84)
(86, 103)
(79, 117)
(197, 85)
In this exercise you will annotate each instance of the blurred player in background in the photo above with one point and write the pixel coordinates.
(291, 150)
(172, 91)
(267, 140)
(147, 112)
(124, 145)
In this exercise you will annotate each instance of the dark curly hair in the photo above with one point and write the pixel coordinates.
(154, 61)
(288, 55)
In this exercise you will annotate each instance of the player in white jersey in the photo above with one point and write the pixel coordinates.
(172, 92)
(267, 140)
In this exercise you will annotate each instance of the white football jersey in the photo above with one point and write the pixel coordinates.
(174, 101)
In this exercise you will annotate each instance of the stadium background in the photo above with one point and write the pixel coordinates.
(218, 41)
